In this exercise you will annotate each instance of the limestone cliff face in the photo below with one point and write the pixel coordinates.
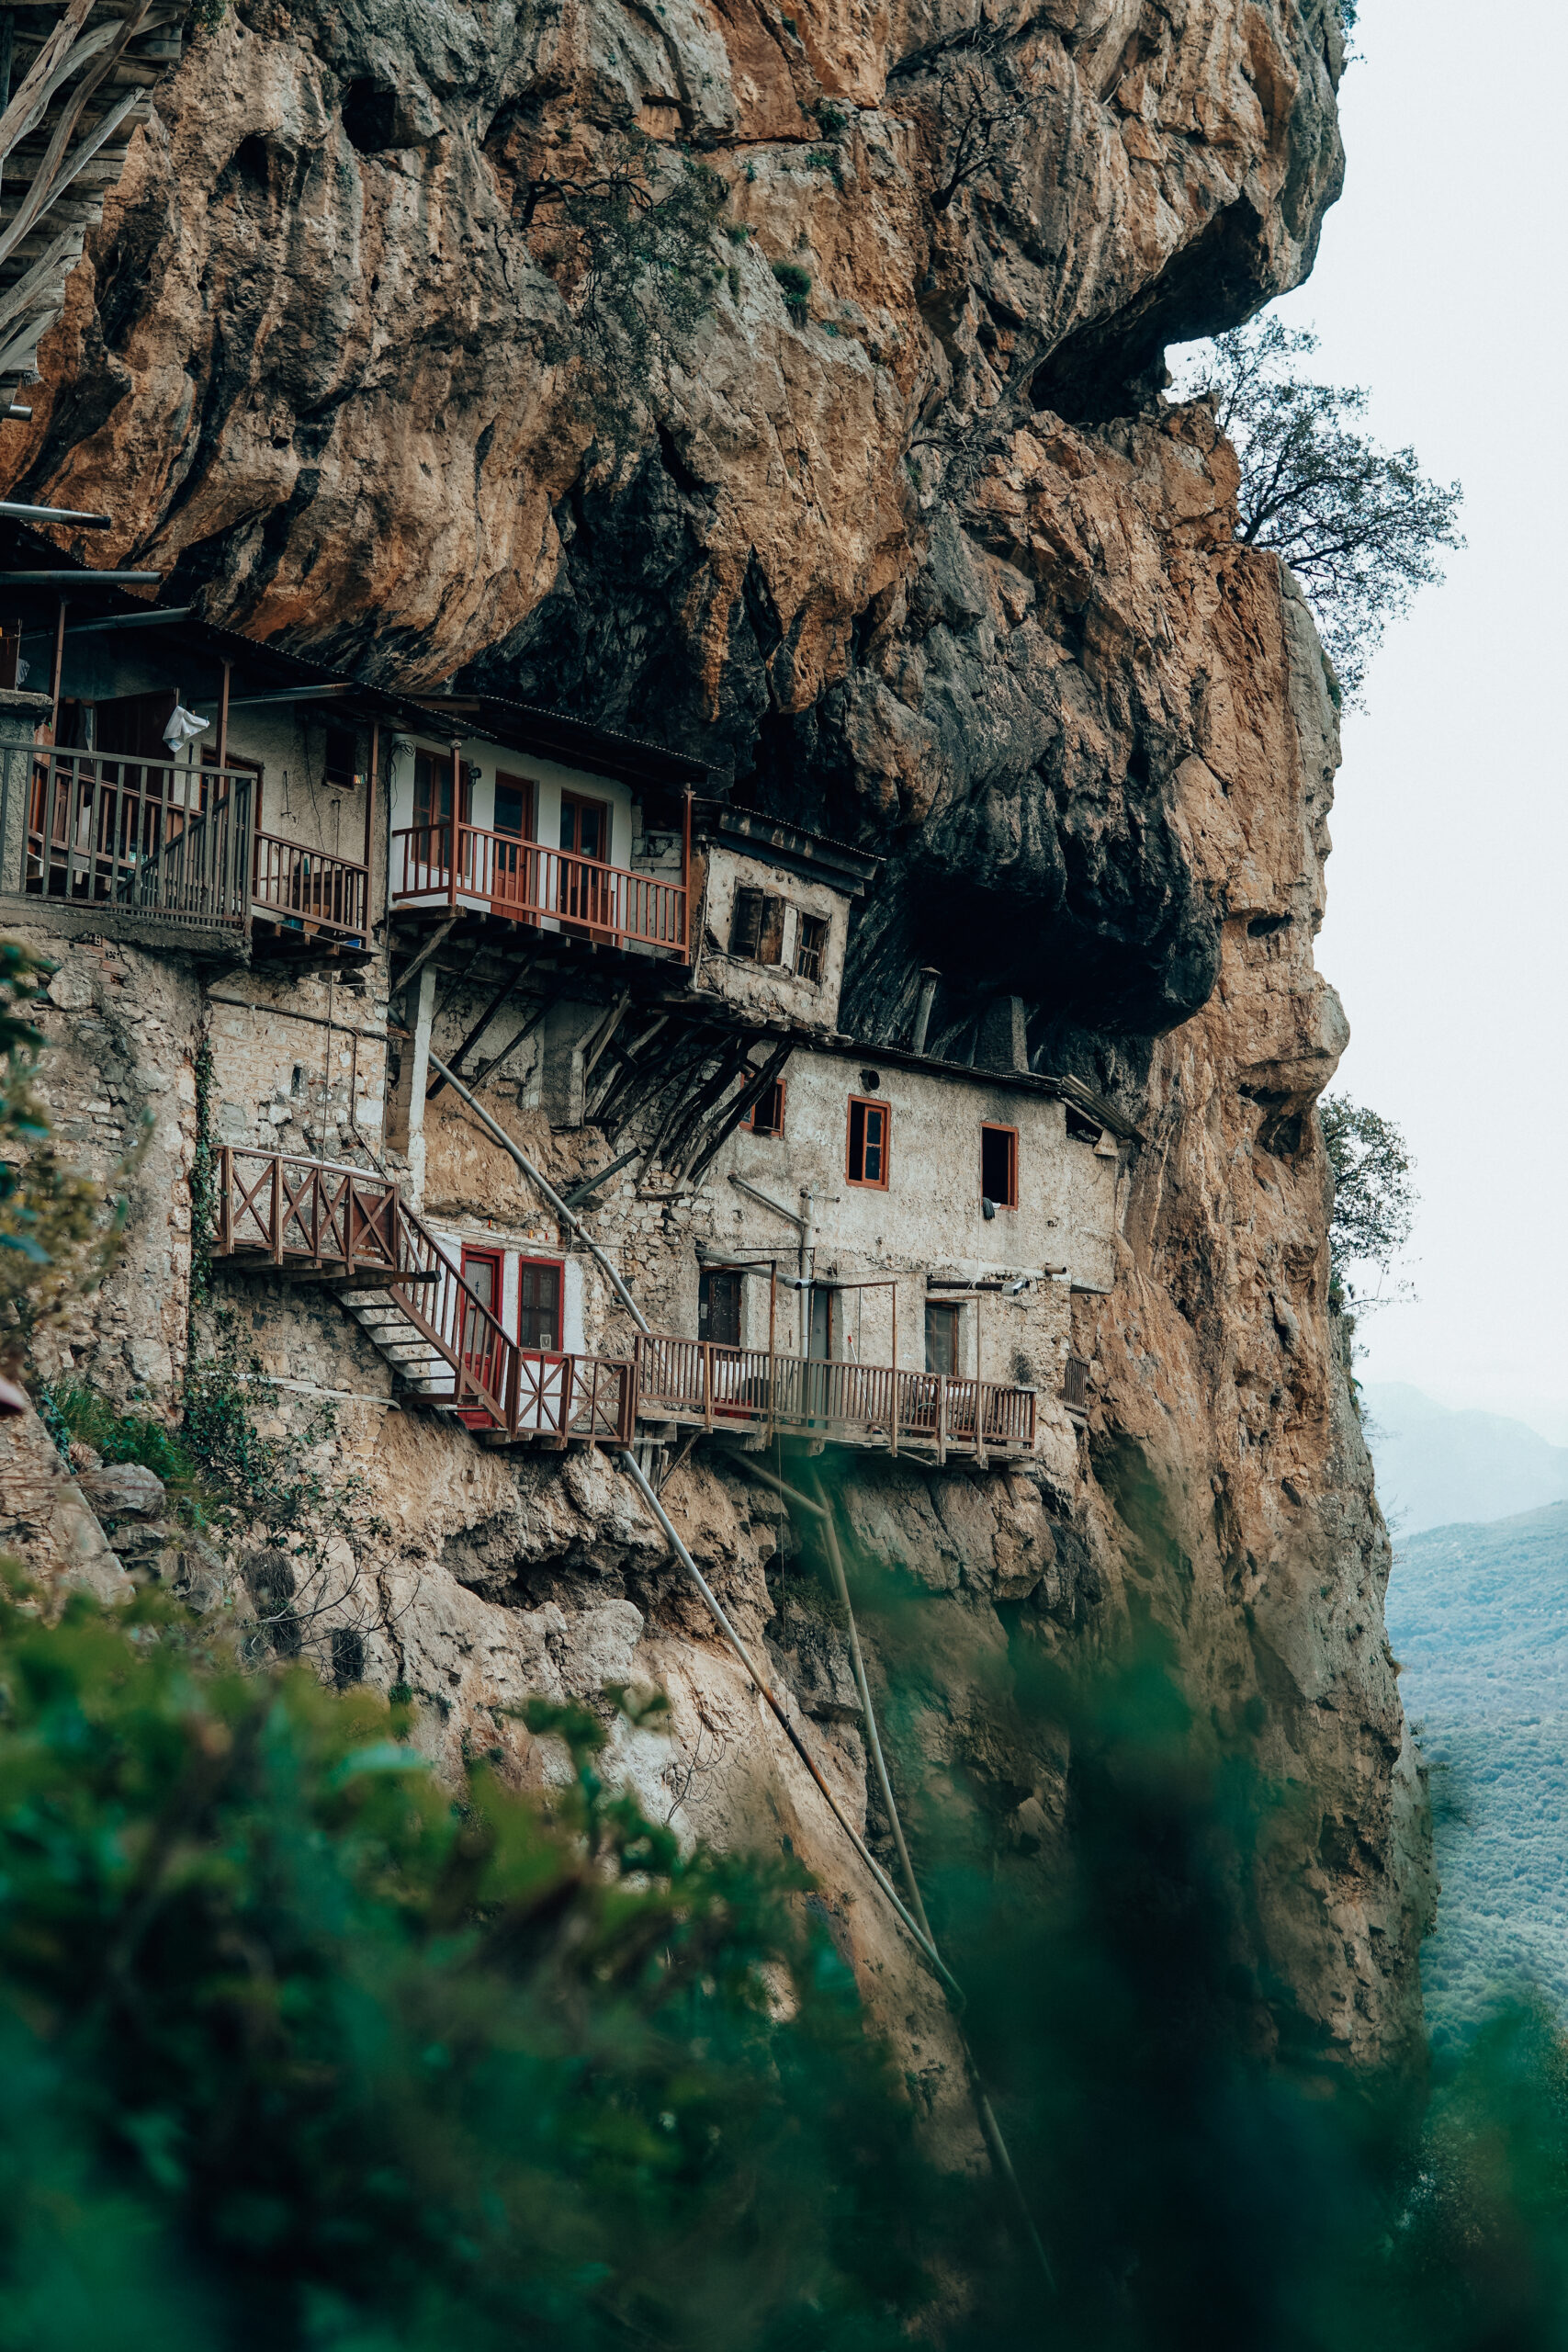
(908, 536)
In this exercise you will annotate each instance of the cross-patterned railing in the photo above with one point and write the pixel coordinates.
(277, 1209)
(609, 903)
(274, 1206)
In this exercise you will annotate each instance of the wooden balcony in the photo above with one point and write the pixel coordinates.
(308, 893)
(843, 1404)
(156, 838)
(351, 1227)
(175, 844)
(504, 875)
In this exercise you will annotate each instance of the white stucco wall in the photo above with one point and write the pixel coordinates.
(928, 1223)
(768, 990)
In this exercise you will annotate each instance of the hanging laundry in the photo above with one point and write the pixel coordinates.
(183, 727)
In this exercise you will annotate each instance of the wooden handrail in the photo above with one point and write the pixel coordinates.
(293, 884)
(278, 1205)
(274, 1206)
(163, 838)
(528, 881)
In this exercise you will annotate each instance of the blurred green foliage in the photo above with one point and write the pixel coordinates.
(295, 2049)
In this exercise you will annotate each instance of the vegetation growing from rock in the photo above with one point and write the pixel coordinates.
(1374, 1192)
(1358, 524)
(58, 1232)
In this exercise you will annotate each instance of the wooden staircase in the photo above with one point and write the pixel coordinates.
(349, 1228)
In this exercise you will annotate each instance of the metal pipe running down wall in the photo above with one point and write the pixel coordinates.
(630, 1465)
(542, 1184)
(816, 1506)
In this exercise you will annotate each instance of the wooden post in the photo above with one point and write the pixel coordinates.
(452, 833)
(370, 823)
(223, 716)
(58, 666)
(707, 1346)
(893, 1439)
(686, 878)
(772, 1327)
(277, 1209)
(225, 1201)
(979, 1386)
(942, 1417)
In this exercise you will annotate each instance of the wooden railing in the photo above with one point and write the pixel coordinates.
(273, 1207)
(686, 1378)
(158, 837)
(304, 889)
(525, 881)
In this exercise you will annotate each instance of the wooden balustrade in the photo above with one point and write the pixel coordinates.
(685, 1379)
(348, 1223)
(305, 889)
(161, 838)
(273, 1207)
(528, 882)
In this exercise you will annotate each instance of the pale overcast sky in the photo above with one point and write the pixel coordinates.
(1439, 285)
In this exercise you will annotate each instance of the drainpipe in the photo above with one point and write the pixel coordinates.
(803, 1227)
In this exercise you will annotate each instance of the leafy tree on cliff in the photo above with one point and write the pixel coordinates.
(1374, 1195)
(1358, 524)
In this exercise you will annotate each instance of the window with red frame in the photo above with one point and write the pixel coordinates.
(866, 1160)
(999, 1166)
(766, 1116)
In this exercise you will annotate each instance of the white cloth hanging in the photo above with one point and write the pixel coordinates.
(183, 727)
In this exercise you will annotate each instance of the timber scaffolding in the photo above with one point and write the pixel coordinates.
(350, 1228)
(75, 82)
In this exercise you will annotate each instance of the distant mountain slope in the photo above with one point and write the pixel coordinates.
(1435, 1467)
(1478, 1617)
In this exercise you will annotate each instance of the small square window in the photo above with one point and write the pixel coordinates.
(767, 1113)
(811, 946)
(867, 1156)
(999, 1166)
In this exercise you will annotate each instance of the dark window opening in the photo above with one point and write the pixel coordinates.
(348, 1656)
(538, 1305)
(767, 1113)
(342, 756)
(811, 948)
(756, 926)
(746, 923)
(942, 1341)
(134, 723)
(867, 1158)
(999, 1166)
(719, 1307)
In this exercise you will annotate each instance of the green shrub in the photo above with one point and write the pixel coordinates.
(295, 2049)
(796, 286)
